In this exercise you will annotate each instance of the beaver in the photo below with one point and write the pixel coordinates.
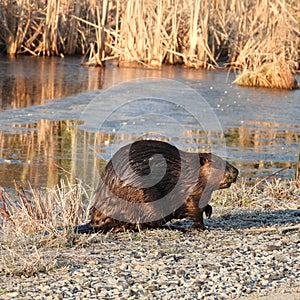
(148, 183)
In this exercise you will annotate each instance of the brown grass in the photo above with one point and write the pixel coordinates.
(261, 39)
(40, 210)
(271, 54)
(24, 249)
(260, 194)
(275, 74)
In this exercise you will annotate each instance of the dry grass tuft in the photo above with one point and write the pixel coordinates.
(24, 249)
(261, 194)
(43, 210)
(271, 75)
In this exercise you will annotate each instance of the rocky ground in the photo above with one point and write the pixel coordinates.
(243, 255)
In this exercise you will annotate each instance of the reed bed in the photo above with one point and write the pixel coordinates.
(256, 38)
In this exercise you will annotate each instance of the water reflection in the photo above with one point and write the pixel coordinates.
(50, 150)
(261, 137)
(266, 148)
(27, 81)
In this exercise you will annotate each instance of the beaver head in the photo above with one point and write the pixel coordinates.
(214, 173)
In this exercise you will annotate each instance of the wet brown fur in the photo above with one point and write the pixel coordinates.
(211, 174)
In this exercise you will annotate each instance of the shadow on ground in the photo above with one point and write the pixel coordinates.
(238, 219)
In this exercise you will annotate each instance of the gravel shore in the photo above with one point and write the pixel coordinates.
(243, 255)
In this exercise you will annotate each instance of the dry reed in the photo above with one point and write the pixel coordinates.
(257, 38)
(297, 173)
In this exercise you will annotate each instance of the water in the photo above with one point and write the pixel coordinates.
(43, 140)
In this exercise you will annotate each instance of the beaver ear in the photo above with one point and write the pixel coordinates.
(203, 161)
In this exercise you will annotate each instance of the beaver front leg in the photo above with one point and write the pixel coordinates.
(195, 213)
(197, 218)
(208, 211)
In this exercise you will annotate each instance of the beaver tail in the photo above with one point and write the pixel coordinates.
(86, 228)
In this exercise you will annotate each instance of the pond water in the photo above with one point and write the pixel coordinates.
(61, 119)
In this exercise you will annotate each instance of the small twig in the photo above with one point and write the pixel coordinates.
(298, 166)
(257, 230)
(282, 230)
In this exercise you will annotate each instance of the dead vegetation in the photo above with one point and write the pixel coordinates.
(261, 194)
(26, 216)
(38, 210)
(259, 39)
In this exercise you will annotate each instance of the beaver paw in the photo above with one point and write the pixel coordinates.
(208, 211)
(199, 226)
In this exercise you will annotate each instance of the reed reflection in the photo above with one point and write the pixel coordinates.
(27, 81)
